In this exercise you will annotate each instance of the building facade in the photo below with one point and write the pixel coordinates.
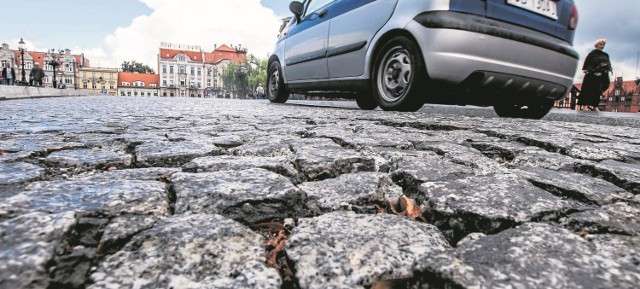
(98, 80)
(61, 66)
(188, 71)
(138, 84)
(621, 96)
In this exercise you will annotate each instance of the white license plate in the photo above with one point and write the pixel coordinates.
(548, 8)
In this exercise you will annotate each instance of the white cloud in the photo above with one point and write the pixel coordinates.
(193, 22)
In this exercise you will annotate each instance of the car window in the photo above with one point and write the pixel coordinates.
(314, 5)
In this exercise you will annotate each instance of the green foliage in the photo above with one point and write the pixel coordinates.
(242, 78)
(135, 66)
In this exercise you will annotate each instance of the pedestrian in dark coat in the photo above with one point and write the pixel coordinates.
(36, 75)
(596, 68)
(9, 74)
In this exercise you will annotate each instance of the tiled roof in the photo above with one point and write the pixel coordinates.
(132, 77)
(220, 53)
(224, 52)
(166, 53)
(629, 87)
(38, 57)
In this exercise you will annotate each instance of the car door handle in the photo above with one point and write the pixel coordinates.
(322, 14)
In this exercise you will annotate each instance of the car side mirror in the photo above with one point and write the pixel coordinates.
(297, 8)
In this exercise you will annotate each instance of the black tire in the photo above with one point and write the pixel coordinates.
(366, 101)
(530, 111)
(276, 90)
(398, 76)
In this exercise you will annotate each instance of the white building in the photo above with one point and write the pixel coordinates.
(188, 71)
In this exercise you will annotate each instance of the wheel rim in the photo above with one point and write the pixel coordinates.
(395, 74)
(273, 83)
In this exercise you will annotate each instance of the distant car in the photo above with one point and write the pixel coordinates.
(515, 55)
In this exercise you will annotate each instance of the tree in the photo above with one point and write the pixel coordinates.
(135, 66)
(258, 72)
(242, 78)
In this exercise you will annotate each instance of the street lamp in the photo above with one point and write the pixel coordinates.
(73, 62)
(21, 47)
(55, 64)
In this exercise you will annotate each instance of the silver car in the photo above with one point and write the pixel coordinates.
(514, 55)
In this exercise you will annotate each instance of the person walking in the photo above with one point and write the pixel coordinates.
(36, 75)
(9, 74)
(259, 91)
(596, 68)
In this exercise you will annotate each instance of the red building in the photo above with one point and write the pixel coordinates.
(622, 96)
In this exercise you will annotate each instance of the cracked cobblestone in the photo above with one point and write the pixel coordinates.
(169, 192)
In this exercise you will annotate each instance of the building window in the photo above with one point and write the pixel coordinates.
(193, 70)
(617, 93)
(182, 69)
(171, 69)
(164, 68)
(164, 82)
(85, 85)
(622, 98)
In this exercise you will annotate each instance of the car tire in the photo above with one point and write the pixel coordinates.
(366, 101)
(276, 89)
(530, 111)
(398, 75)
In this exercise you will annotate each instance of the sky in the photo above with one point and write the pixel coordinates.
(109, 32)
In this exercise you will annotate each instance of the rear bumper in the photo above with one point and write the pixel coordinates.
(486, 26)
(461, 48)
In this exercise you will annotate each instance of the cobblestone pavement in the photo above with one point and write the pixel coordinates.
(113, 192)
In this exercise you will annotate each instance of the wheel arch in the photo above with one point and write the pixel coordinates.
(272, 59)
(375, 50)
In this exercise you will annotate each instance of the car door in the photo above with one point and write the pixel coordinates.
(306, 44)
(353, 26)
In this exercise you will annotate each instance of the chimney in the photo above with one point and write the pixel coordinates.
(5, 46)
(215, 46)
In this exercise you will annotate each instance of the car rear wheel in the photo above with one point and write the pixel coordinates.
(276, 90)
(398, 74)
(530, 111)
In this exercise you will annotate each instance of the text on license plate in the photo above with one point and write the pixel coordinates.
(548, 8)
